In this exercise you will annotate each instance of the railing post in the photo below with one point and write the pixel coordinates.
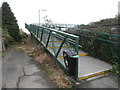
(76, 45)
(41, 34)
(76, 50)
(48, 38)
(60, 47)
(37, 31)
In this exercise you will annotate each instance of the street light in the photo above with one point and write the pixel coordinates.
(39, 15)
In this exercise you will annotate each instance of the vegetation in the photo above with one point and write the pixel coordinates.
(23, 34)
(104, 25)
(7, 39)
(94, 43)
(0, 22)
(9, 23)
(108, 21)
(9, 29)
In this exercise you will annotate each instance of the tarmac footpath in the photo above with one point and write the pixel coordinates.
(20, 71)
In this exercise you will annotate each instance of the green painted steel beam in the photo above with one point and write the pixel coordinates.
(105, 40)
(84, 30)
(61, 33)
(65, 34)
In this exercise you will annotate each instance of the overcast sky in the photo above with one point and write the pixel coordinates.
(63, 11)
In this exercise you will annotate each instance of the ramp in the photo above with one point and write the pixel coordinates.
(89, 67)
(57, 41)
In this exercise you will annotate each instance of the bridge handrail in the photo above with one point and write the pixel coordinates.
(99, 42)
(107, 37)
(85, 30)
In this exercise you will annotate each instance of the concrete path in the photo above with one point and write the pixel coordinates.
(89, 65)
(110, 81)
(20, 71)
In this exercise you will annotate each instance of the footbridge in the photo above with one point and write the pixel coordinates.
(68, 52)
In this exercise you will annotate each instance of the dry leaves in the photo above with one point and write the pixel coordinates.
(45, 59)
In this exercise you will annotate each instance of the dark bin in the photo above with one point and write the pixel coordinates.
(71, 61)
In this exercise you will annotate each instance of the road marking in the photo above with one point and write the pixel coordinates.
(55, 41)
(78, 54)
(84, 54)
(59, 46)
(60, 57)
(93, 75)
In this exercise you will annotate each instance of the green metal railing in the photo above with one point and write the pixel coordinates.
(102, 45)
(59, 27)
(55, 42)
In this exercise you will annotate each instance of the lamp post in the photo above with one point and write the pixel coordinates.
(39, 14)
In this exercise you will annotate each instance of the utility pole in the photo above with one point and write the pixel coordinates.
(39, 14)
(39, 17)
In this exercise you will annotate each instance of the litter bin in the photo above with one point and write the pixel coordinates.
(71, 61)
